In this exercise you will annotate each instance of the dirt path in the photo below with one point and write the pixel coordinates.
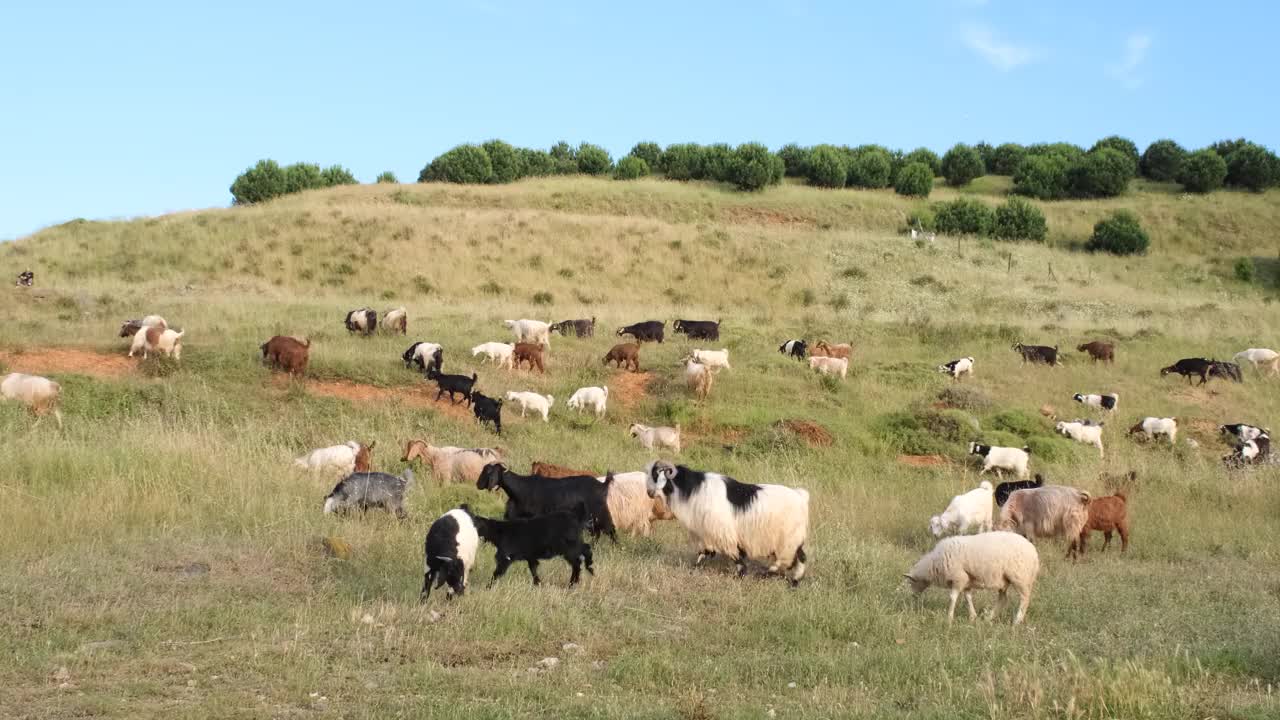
(66, 360)
(419, 396)
(629, 388)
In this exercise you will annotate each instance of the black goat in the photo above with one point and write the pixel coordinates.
(581, 328)
(533, 495)
(647, 331)
(1037, 353)
(487, 410)
(460, 384)
(1005, 489)
(1225, 370)
(1186, 367)
(557, 534)
(698, 329)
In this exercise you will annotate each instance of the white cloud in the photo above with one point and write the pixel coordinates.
(1135, 53)
(1000, 54)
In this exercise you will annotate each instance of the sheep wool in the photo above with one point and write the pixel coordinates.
(987, 561)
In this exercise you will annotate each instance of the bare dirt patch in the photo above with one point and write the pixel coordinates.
(67, 360)
(629, 388)
(812, 433)
(922, 460)
(421, 396)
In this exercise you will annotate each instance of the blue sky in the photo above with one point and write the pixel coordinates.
(135, 108)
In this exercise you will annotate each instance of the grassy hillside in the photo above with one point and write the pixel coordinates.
(159, 558)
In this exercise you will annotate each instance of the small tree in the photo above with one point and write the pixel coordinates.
(387, 177)
(915, 179)
(717, 162)
(1102, 172)
(926, 156)
(682, 161)
(1120, 234)
(988, 155)
(1162, 161)
(337, 175)
(1224, 148)
(649, 152)
(964, 216)
(1251, 167)
(1123, 145)
(827, 167)
(259, 183)
(961, 165)
(462, 164)
(505, 161)
(1007, 158)
(1018, 219)
(564, 158)
(753, 167)
(871, 168)
(536, 163)
(1066, 151)
(302, 176)
(630, 168)
(794, 159)
(1041, 176)
(1203, 171)
(593, 159)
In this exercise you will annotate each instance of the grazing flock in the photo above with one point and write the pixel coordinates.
(548, 511)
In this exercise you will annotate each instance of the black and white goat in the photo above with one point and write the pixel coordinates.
(958, 367)
(1105, 402)
(557, 534)
(363, 321)
(532, 495)
(1014, 460)
(1242, 432)
(1250, 452)
(797, 349)
(449, 552)
(423, 354)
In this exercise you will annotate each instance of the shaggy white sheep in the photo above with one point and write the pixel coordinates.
(1088, 434)
(1048, 511)
(987, 561)
(396, 320)
(532, 401)
(970, 510)
(589, 397)
(496, 352)
(534, 331)
(712, 359)
(630, 506)
(651, 437)
(829, 365)
(39, 394)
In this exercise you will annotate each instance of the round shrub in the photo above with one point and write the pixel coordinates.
(870, 168)
(462, 164)
(337, 175)
(564, 158)
(717, 163)
(1162, 161)
(915, 179)
(593, 159)
(988, 155)
(505, 161)
(649, 152)
(1120, 234)
(1007, 158)
(961, 165)
(1102, 172)
(1251, 167)
(964, 216)
(1018, 219)
(753, 167)
(827, 167)
(681, 162)
(387, 177)
(926, 156)
(302, 176)
(1224, 148)
(1124, 146)
(794, 159)
(536, 163)
(1203, 171)
(1041, 176)
(259, 183)
(630, 168)
(1066, 151)
(1245, 270)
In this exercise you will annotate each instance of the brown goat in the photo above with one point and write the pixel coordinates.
(824, 348)
(1107, 515)
(530, 353)
(551, 470)
(624, 354)
(364, 457)
(287, 353)
(1099, 350)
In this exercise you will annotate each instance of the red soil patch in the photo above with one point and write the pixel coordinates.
(812, 433)
(922, 460)
(628, 388)
(64, 360)
(420, 396)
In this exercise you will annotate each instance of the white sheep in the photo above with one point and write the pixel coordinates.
(1047, 511)
(1260, 357)
(532, 401)
(498, 353)
(970, 510)
(1081, 432)
(39, 394)
(630, 507)
(335, 458)
(986, 561)
(768, 524)
(956, 368)
(829, 365)
(1152, 426)
(698, 378)
(712, 359)
(589, 397)
(651, 437)
(151, 338)
(1014, 460)
(534, 331)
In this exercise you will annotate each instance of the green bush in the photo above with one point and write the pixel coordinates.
(630, 168)
(961, 165)
(915, 179)
(964, 397)
(537, 163)
(302, 176)
(922, 218)
(987, 154)
(794, 159)
(1224, 148)
(1048, 449)
(1066, 151)
(926, 156)
(1022, 424)
(870, 168)
(1203, 171)
(1007, 158)
(387, 177)
(462, 164)
(259, 183)
(682, 161)
(1120, 234)
(905, 433)
(1102, 172)
(1124, 146)
(1162, 161)
(1041, 176)
(1251, 167)
(963, 216)
(753, 167)
(649, 152)
(827, 167)
(1018, 219)
(564, 159)
(335, 175)
(593, 159)
(717, 163)
(1246, 271)
(505, 161)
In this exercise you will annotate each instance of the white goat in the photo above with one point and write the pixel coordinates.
(1152, 426)
(498, 353)
(651, 437)
(698, 378)
(765, 523)
(970, 510)
(39, 394)
(712, 359)
(532, 401)
(148, 339)
(589, 397)
(1002, 458)
(1082, 433)
(341, 458)
(986, 561)
(534, 331)
(829, 365)
(1260, 357)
